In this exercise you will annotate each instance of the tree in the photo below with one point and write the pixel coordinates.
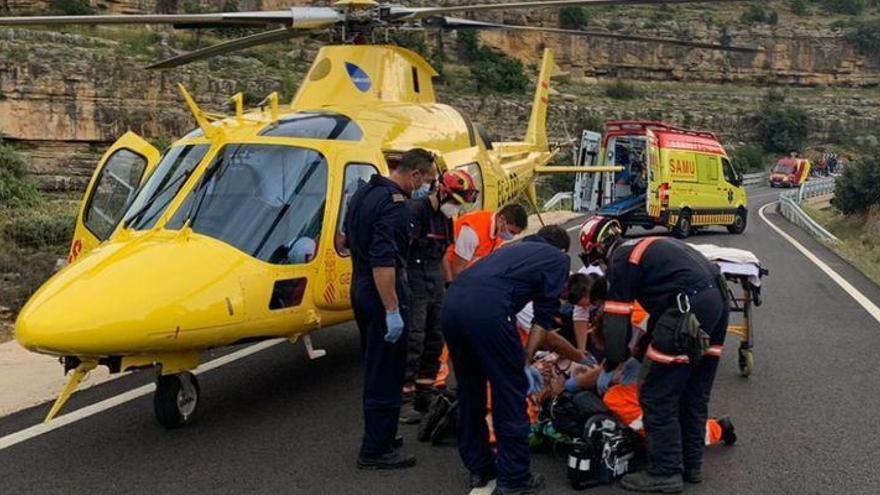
(573, 17)
(866, 37)
(858, 189)
(849, 7)
(782, 127)
(799, 7)
(16, 189)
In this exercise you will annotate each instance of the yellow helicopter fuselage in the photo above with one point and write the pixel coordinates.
(160, 292)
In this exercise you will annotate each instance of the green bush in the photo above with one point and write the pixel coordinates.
(573, 17)
(756, 14)
(849, 7)
(798, 7)
(16, 190)
(492, 70)
(72, 7)
(866, 37)
(782, 127)
(748, 158)
(858, 188)
(39, 228)
(620, 90)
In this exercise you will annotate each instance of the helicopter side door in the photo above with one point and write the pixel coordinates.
(331, 289)
(111, 189)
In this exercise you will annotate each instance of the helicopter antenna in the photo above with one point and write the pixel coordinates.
(200, 116)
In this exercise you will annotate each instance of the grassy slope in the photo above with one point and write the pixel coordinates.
(859, 244)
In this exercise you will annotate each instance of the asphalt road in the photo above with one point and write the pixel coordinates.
(277, 422)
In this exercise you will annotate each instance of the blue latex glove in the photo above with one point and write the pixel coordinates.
(571, 385)
(536, 381)
(394, 324)
(604, 382)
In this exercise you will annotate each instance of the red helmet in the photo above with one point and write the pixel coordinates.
(597, 235)
(459, 185)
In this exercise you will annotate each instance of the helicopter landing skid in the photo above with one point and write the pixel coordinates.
(313, 353)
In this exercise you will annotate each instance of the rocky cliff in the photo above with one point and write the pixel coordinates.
(65, 96)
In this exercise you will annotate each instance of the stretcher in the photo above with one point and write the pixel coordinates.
(742, 268)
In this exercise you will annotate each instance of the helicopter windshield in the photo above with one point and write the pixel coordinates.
(163, 185)
(313, 125)
(266, 200)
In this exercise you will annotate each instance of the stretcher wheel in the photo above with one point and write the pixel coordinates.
(176, 399)
(746, 361)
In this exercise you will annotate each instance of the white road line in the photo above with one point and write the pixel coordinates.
(860, 298)
(91, 410)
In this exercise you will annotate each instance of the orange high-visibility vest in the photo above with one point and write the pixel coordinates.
(483, 223)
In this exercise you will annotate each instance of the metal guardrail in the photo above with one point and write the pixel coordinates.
(789, 207)
(751, 179)
(556, 199)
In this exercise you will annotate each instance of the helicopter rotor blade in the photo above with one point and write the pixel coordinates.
(456, 23)
(294, 17)
(253, 40)
(423, 12)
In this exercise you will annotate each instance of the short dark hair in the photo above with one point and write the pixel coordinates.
(579, 286)
(515, 214)
(416, 159)
(599, 290)
(556, 236)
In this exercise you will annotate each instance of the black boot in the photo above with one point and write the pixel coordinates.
(728, 432)
(409, 415)
(642, 481)
(536, 482)
(479, 480)
(395, 459)
(692, 475)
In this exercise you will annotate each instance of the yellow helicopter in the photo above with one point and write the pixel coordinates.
(234, 234)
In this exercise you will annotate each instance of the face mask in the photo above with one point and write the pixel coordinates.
(422, 191)
(450, 210)
(506, 235)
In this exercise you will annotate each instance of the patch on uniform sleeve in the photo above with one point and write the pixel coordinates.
(398, 198)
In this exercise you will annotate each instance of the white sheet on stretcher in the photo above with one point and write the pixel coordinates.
(733, 261)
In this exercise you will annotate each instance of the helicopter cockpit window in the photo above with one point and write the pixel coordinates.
(356, 175)
(114, 189)
(312, 125)
(154, 197)
(266, 200)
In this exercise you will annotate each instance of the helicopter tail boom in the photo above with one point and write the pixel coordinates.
(536, 134)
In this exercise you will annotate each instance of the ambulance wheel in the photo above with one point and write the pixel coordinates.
(739, 222)
(683, 228)
(746, 361)
(176, 399)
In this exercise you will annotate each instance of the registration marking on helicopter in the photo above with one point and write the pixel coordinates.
(90, 410)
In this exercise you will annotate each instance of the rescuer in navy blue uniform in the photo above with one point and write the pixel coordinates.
(663, 274)
(479, 323)
(433, 208)
(377, 228)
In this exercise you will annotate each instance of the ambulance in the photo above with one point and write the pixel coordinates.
(790, 172)
(673, 177)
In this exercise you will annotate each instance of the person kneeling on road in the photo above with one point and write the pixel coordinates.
(478, 322)
(686, 299)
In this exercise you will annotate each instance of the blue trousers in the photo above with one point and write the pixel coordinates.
(384, 365)
(675, 397)
(484, 347)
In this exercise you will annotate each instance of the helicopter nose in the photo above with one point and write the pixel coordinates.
(139, 295)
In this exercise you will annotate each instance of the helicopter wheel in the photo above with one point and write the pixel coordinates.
(176, 399)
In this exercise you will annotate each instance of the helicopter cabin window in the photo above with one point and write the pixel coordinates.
(474, 170)
(113, 191)
(163, 185)
(356, 175)
(313, 125)
(265, 200)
